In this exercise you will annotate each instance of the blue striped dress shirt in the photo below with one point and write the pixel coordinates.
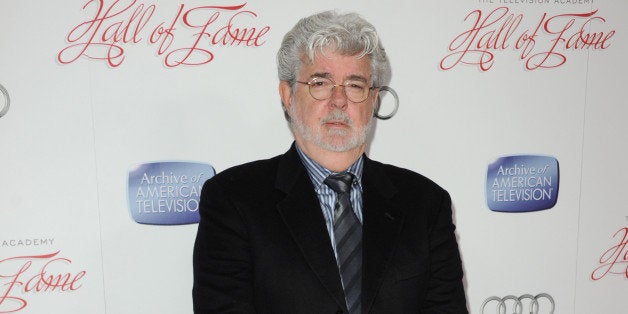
(327, 197)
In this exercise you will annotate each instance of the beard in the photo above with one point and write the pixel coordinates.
(335, 139)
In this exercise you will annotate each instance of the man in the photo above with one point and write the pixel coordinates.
(322, 228)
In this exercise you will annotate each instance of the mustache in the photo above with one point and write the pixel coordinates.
(336, 116)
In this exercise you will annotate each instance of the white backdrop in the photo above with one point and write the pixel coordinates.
(75, 125)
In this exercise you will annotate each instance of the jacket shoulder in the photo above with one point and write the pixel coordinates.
(404, 179)
(255, 173)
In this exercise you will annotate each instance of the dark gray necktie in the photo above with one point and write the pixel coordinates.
(348, 234)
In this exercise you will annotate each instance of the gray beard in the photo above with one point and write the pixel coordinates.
(326, 141)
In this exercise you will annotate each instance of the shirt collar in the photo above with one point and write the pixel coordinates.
(318, 173)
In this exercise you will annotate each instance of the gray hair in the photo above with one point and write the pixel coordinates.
(351, 35)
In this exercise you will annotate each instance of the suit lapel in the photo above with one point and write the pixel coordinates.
(301, 212)
(382, 222)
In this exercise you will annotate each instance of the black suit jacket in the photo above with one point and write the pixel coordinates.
(262, 245)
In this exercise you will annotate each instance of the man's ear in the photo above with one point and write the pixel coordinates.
(375, 101)
(285, 92)
(375, 95)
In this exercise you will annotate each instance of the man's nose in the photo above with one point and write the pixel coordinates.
(339, 97)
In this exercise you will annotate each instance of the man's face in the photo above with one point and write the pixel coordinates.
(334, 124)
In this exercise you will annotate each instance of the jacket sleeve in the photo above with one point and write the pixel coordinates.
(445, 291)
(221, 258)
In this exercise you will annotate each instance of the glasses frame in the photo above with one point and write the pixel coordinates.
(334, 85)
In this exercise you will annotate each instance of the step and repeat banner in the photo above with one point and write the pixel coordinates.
(113, 113)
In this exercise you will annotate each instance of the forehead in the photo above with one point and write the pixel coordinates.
(333, 65)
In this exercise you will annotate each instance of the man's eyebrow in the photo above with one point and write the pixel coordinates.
(354, 77)
(357, 77)
(321, 74)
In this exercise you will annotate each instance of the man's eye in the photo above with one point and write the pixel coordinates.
(355, 86)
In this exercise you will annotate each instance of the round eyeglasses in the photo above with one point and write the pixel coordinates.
(321, 88)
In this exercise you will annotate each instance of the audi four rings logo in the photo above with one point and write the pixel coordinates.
(4, 101)
(541, 303)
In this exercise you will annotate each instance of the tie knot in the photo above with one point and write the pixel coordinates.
(340, 182)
